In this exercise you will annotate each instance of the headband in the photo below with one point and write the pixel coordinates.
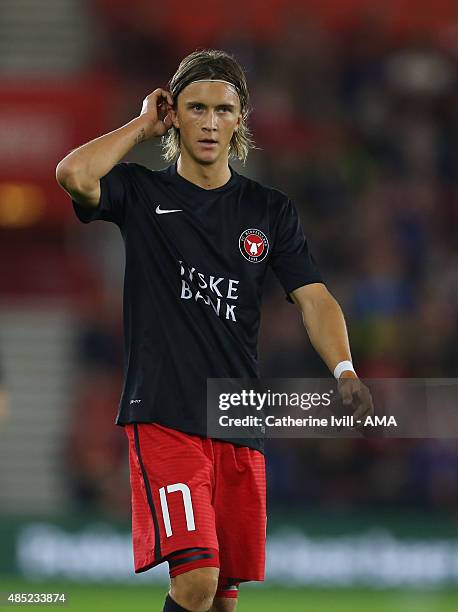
(215, 81)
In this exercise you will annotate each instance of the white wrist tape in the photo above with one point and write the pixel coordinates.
(343, 366)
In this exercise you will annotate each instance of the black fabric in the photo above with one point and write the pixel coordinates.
(149, 496)
(187, 555)
(172, 606)
(189, 559)
(192, 290)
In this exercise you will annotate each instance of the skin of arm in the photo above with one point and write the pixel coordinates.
(325, 324)
(79, 173)
(4, 405)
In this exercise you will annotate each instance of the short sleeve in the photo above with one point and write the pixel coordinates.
(114, 188)
(291, 258)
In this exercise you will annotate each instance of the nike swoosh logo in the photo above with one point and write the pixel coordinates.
(160, 211)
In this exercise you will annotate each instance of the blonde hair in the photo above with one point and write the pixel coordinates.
(211, 64)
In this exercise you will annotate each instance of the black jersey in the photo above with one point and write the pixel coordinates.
(195, 264)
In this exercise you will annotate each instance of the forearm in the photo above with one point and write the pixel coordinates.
(3, 404)
(87, 164)
(325, 325)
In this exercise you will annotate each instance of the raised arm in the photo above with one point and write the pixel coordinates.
(79, 173)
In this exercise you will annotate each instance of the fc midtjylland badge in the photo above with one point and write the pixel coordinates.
(253, 245)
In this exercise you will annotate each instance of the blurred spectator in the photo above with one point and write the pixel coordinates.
(95, 448)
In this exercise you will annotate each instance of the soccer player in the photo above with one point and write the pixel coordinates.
(198, 240)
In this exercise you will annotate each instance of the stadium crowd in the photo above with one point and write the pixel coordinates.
(360, 128)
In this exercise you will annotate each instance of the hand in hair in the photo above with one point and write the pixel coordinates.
(156, 107)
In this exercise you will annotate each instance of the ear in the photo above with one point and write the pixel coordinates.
(239, 121)
(174, 116)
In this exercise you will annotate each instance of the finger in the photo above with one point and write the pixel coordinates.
(156, 94)
(164, 108)
(370, 405)
(166, 96)
(168, 122)
(366, 407)
(360, 406)
(346, 390)
(156, 99)
(360, 413)
(366, 399)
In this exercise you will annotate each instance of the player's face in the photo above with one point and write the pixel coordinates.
(207, 115)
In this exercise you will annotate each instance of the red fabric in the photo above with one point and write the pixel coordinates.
(227, 487)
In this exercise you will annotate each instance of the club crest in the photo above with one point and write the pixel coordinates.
(253, 245)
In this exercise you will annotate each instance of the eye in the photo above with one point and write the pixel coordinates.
(197, 107)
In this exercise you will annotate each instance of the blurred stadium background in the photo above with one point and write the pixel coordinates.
(356, 116)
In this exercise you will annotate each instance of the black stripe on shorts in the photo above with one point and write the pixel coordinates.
(190, 555)
(149, 496)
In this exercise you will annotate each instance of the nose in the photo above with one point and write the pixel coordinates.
(210, 122)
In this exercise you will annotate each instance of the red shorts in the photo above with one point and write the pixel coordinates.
(196, 502)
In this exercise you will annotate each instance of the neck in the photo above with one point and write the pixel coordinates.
(209, 176)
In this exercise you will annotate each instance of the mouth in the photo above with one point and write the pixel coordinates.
(208, 142)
